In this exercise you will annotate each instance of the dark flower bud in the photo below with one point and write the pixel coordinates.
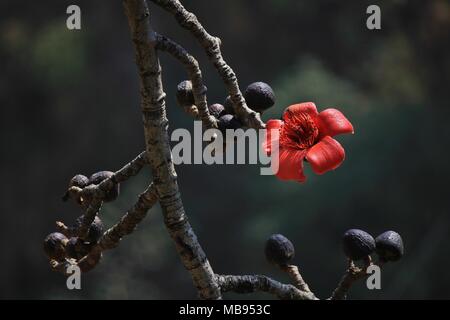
(357, 244)
(228, 105)
(54, 246)
(216, 110)
(185, 95)
(71, 248)
(389, 246)
(259, 96)
(98, 177)
(95, 230)
(228, 121)
(279, 250)
(76, 248)
(79, 181)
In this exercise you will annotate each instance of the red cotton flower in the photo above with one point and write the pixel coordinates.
(306, 134)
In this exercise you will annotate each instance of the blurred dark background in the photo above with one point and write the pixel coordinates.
(70, 104)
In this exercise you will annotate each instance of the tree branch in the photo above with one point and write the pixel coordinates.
(195, 75)
(125, 226)
(159, 153)
(352, 275)
(88, 217)
(111, 238)
(165, 187)
(100, 191)
(85, 265)
(130, 220)
(254, 283)
(212, 47)
(92, 195)
(295, 275)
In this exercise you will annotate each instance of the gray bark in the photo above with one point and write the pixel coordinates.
(159, 153)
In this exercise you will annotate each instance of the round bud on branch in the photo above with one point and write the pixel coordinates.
(76, 248)
(228, 121)
(54, 246)
(259, 96)
(389, 246)
(79, 181)
(217, 110)
(357, 244)
(98, 177)
(185, 96)
(228, 105)
(185, 93)
(279, 250)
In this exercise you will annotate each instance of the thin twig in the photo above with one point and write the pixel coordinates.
(111, 238)
(101, 190)
(92, 195)
(211, 45)
(125, 226)
(294, 273)
(352, 275)
(88, 217)
(254, 283)
(129, 221)
(195, 75)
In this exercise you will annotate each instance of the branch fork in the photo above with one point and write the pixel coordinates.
(157, 155)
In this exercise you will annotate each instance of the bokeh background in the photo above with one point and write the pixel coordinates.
(70, 104)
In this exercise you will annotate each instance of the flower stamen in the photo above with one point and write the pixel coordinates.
(298, 131)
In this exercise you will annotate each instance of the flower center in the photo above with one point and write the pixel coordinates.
(299, 131)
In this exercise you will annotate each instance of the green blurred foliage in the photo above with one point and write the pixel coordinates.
(70, 104)
(59, 56)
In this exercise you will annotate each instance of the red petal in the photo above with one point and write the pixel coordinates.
(332, 122)
(326, 155)
(290, 166)
(305, 107)
(272, 124)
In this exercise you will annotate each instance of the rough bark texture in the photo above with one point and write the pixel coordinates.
(195, 75)
(89, 216)
(296, 276)
(130, 220)
(159, 153)
(352, 275)
(94, 194)
(100, 191)
(110, 238)
(253, 283)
